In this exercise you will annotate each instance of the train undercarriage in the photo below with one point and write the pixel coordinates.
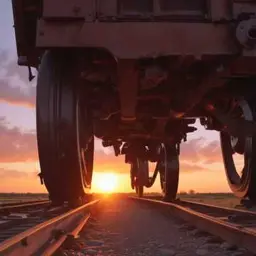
(138, 78)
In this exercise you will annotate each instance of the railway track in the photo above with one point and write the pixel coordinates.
(45, 230)
(23, 202)
(39, 229)
(15, 218)
(237, 227)
(22, 206)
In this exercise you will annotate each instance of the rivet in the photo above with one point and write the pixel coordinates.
(76, 9)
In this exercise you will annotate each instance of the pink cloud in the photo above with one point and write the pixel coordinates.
(15, 145)
(18, 146)
(14, 85)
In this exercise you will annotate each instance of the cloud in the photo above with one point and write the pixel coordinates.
(16, 96)
(190, 149)
(20, 181)
(15, 89)
(109, 162)
(201, 151)
(15, 145)
(14, 85)
(13, 174)
(18, 146)
(191, 167)
(196, 155)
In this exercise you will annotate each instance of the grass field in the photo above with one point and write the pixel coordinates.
(220, 199)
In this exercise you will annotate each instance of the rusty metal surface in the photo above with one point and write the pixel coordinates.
(118, 9)
(243, 7)
(35, 240)
(232, 232)
(73, 233)
(220, 10)
(19, 27)
(127, 75)
(25, 14)
(69, 9)
(238, 127)
(107, 8)
(131, 40)
(206, 27)
(113, 10)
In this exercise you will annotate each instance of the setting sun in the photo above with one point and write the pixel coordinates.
(106, 183)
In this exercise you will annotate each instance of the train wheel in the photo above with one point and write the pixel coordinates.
(169, 171)
(64, 130)
(243, 183)
(140, 173)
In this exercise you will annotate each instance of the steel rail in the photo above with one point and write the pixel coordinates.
(23, 205)
(36, 240)
(193, 204)
(207, 207)
(23, 202)
(230, 232)
(54, 246)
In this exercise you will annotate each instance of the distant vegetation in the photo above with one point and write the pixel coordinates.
(22, 194)
(20, 197)
(221, 199)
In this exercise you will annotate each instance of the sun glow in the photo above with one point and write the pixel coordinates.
(106, 183)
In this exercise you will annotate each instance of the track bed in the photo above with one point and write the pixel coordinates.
(123, 227)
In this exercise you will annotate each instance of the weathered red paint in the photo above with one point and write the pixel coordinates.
(186, 28)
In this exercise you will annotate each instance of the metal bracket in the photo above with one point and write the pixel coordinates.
(41, 178)
(30, 74)
(237, 127)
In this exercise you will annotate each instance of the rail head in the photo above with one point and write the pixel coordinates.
(23, 205)
(215, 207)
(227, 231)
(35, 239)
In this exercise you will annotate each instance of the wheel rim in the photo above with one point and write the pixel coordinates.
(85, 145)
(169, 171)
(143, 172)
(139, 175)
(239, 184)
(162, 167)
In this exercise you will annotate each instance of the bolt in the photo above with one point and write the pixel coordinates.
(220, 68)
(76, 9)
(24, 242)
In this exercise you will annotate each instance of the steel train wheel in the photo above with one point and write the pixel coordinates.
(169, 171)
(140, 173)
(243, 185)
(64, 130)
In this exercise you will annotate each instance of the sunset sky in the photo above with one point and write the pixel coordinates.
(201, 163)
